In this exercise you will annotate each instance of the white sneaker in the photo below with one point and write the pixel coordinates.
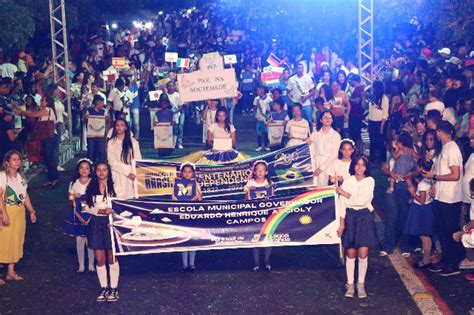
(361, 291)
(258, 149)
(60, 169)
(466, 264)
(349, 290)
(180, 147)
(267, 148)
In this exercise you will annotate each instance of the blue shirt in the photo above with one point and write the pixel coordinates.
(279, 116)
(136, 100)
(93, 112)
(164, 117)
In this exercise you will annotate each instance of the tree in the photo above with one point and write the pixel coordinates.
(17, 26)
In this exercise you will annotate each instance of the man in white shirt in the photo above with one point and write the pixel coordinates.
(115, 99)
(178, 110)
(299, 89)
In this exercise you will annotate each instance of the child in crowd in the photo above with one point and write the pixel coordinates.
(297, 130)
(466, 235)
(164, 115)
(420, 217)
(260, 186)
(99, 204)
(339, 170)
(357, 227)
(404, 161)
(186, 188)
(277, 95)
(263, 115)
(279, 115)
(96, 143)
(77, 221)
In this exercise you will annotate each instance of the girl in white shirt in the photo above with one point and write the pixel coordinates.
(297, 129)
(339, 170)
(378, 115)
(260, 186)
(122, 148)
(221, 128)
(76, 222)
(357, 223)
(326, 142)
(99, 205)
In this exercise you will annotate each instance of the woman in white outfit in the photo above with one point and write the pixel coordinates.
(326, 142)
(122, 148)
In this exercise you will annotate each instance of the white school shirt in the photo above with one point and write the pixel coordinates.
(362, 193)
(303, 123)
(339, 168)
(78, 188)
(300, 87)
(175, 101)
(379, 114)
(326, 148)
(468, 175)
(59, 108)
(263, 108)
(448, 192)
(424, 185)
(115, 99)
(253, 183)
(218, 132)
(100, 203)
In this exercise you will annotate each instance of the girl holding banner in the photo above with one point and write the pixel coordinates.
(96, 119)
(325, 143)
(186, 188)
(357, 226)
(99, 205)
(221, 134)
(122, 148)
(260, 186)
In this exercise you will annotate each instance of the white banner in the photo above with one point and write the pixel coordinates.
(163, 136)
(95, 126)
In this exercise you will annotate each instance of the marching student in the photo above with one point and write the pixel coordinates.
(77, 221)
(186, 188)
(263, 115)
(339, 170)
(208, 117)
(99, 204)
(420, 216)
(357, 227)
(221, 128)
(165, 115)
(326, 142)
(279, 115)
(297, 129)
(122, 148)
(177, 107)
(96, 144)
(260, 186)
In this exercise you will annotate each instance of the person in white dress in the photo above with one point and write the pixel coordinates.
(325, 142)
(297, 129)
(122, 148)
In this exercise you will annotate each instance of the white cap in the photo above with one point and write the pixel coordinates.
(445, 50)
(454, 60)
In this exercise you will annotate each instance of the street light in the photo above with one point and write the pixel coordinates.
(114, 25)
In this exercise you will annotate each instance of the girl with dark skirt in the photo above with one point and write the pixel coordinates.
(99, 205)
(357, 222)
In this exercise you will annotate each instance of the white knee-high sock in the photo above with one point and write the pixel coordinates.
(184, 258)
(80, 244)
(350, 268)
(102, 275)
(114, 275)
(363, 264)
(192, 258)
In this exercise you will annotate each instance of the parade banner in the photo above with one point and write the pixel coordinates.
(289, 168)
(163, 136)
(95, 127)
(200, 85)
(211, 62)
(275, 133)
(142, 226)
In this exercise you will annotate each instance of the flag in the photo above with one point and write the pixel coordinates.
(154, 95)
(273, 60)
(119, 62)
(182, 63)
(270, 78)
(160, 72)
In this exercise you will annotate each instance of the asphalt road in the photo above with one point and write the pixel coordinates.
(303, 280)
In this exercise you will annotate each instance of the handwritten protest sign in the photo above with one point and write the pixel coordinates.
(211, 62)
(200, 86)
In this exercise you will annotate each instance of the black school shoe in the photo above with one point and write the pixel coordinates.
(113, 296)
(103, 295)
(449, 271)
(436, 268)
